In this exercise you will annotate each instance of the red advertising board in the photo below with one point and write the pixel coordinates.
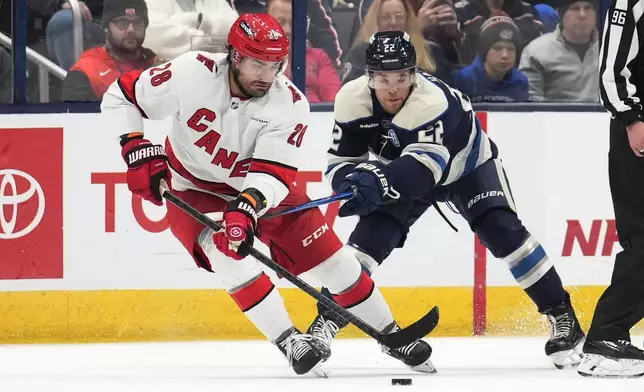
(31, 203)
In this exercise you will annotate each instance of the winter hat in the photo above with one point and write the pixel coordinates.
(113, 9)
(565, 4)
(495, 29)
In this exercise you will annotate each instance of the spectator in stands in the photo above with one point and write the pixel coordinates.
(395, 15)
(437, 19)
(564, 65)
(322, 34)
(439, 22)
(125, 23)
(60, 31)
(322, 80)
(5, 76)
(177, 26)
(472, 13)
(493, 76)
(549, 17)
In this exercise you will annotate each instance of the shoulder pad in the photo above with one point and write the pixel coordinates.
(353, 101)
(284, 92)
(426, 103)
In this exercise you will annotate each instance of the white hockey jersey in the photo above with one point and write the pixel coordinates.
(217, 141)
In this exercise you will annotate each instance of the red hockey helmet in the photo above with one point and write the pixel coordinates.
(259, 36)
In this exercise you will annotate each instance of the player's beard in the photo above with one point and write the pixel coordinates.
(250, 88)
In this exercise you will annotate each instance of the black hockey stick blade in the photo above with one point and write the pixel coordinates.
(394, 340)
(416, 331)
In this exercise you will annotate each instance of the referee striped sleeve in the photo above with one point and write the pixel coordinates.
(620, 46)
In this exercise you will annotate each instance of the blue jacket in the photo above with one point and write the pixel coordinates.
(474, 82)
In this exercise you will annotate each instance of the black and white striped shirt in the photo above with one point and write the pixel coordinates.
(620, 68)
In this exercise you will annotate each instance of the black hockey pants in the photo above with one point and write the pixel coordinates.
(622, 304)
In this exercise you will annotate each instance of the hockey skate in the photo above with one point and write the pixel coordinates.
(566, 337)
(607, 359)
(299, 352)
(323, 332)
(414, 355)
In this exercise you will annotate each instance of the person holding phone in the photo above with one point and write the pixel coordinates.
(472, 14)
(439, 24)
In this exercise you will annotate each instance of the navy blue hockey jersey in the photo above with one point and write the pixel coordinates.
(436, 126)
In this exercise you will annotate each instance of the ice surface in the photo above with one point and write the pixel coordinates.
(464, 364)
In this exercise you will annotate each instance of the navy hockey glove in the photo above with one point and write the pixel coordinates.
(373, 183)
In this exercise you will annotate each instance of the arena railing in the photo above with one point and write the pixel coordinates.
(45, 67)
(77, 26)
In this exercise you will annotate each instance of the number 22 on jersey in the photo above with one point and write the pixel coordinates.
(434, 134)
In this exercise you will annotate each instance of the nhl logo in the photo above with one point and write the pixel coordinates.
(506, 35)
(386, 123)
(391, 135)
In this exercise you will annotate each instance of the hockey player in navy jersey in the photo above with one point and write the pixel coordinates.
(430, 148)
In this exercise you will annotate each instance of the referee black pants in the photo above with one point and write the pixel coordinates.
(622, 304)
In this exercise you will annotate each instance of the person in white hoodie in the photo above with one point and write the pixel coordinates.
(178, 26)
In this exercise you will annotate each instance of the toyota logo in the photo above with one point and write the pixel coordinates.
(9, 196)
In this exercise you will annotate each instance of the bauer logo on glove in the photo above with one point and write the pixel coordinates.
(387, 190)
(372, 182)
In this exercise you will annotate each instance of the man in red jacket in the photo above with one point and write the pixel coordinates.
(124, 22)
(322, 80)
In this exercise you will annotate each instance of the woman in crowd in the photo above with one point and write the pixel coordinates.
(386, 15)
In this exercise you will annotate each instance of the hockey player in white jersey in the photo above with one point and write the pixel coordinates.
(238, 125)
(430, 148)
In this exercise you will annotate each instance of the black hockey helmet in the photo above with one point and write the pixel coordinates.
(390, 51)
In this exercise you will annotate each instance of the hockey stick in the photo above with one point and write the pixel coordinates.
(301, 207)
(311, 204)
(393, 340)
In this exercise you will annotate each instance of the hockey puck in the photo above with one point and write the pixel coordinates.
(401, 381)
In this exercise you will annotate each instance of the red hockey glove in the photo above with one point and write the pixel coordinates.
(240, 221)
(146, 167)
